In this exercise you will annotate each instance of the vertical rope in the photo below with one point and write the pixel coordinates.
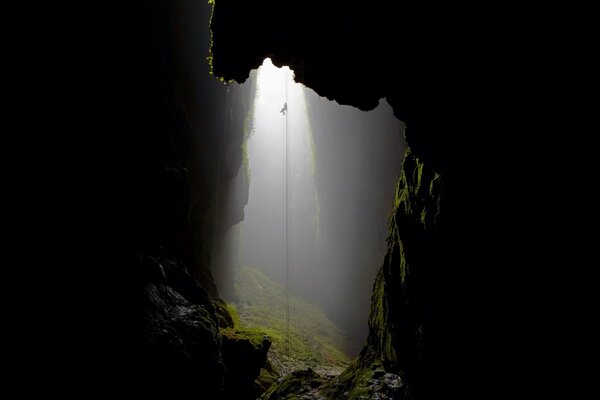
(284, 229)
(287, 222)
(290, 212)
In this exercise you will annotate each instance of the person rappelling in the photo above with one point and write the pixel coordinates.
(284, 109)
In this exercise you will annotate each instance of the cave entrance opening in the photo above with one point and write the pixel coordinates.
(320, 182)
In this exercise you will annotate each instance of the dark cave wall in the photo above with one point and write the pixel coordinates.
(193, 127)
(399, 320)
(178, 330)
(191, 131)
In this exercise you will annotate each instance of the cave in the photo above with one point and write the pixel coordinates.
(189, 93)
(197, 81)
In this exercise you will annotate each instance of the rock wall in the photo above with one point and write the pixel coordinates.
(191, 131)
(400, 318)
(180, 350)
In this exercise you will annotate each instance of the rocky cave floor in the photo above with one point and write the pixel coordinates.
(311, 384)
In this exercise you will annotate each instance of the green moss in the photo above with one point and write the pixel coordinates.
(410, 200)
(287, 387)
(314, 339)
(418, 176)
(360, 384)
(404, 265)
(246, 159)
(353, 383)
(436, 179)
(223, 314)
(435, 193)
(268, 376)
(249, 127)
(210, 57)
(292, 385)
(233, 313)
(376, 319)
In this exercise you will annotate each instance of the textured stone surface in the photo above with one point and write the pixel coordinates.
(399, 323)
(181, 351)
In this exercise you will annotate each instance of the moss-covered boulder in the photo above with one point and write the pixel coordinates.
(366, 379)
(298, 385)
(244, 357)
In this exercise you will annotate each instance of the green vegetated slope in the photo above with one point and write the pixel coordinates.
(315, 341)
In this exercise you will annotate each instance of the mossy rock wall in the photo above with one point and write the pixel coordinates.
(400, 304)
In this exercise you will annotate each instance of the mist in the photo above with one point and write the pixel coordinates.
(317, 208)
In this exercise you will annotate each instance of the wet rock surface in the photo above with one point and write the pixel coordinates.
(385, 386)
(299, 385)
(180, 351)
(307, 385)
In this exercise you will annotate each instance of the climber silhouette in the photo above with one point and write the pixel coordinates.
(284, 109)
